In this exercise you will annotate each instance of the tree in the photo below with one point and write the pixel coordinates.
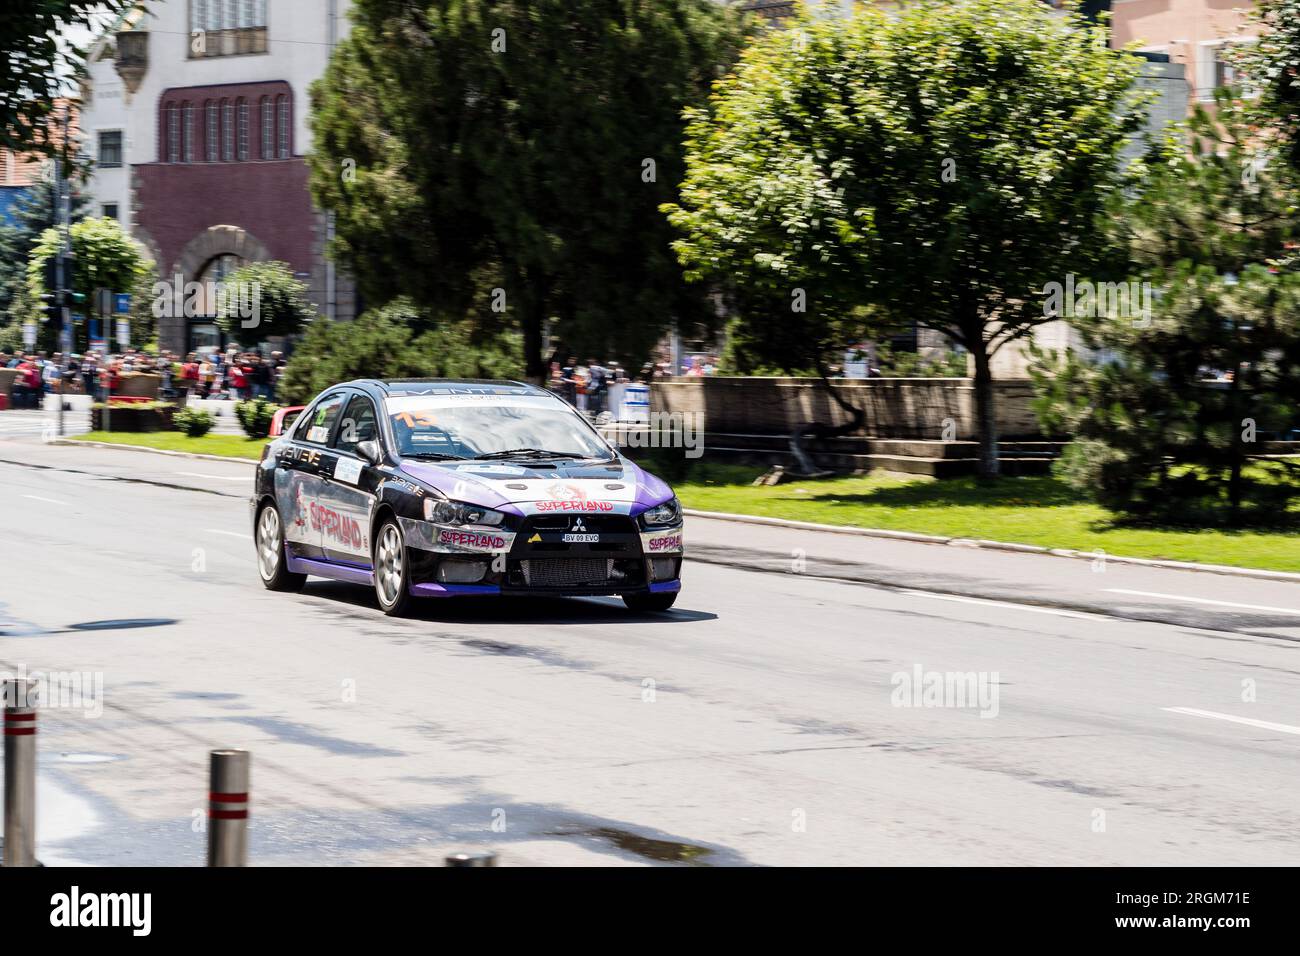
(1273, 67)
(941, 163)
(37, 65)
(507, 158)
(382, 343)
(106, 258)
(33, 214)
(263, 299)
(1173, 428)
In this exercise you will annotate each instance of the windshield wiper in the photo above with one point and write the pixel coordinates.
(433, 456)
(527, 453)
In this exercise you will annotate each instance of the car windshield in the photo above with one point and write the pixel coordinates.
(500, 426)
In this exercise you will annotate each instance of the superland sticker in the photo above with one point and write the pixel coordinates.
(661, 542)
(338, 527)
(473, 540)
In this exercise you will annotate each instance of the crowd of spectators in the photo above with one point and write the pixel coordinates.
(211, 374)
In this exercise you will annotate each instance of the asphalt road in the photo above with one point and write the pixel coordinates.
(1130, 715)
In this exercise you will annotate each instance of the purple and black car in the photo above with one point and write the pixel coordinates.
(438, 488)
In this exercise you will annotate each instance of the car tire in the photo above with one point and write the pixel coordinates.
(392, 572)
(272, 568)
(650, 603)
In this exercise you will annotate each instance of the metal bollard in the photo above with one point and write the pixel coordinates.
(228, 808)
(481, 858)
(20, 772)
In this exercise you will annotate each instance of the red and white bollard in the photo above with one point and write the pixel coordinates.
(20, 772)
(228, 808)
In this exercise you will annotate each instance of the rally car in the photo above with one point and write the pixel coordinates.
(438, 488)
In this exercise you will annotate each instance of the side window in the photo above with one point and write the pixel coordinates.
(316, 426)
(358, 424)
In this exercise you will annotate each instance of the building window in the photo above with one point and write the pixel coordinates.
(187, 133)
(282, 105)
(108, 210)
(173, 134)
(228, 27)
(227, 131)
(268, 128)
(110, 148)
(212, 137)
(242, 108)
(1215, 69)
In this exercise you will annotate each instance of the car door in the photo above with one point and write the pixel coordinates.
(347, 485)
(298, 475)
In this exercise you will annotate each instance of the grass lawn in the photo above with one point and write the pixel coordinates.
(1040, 511)
(229, 446)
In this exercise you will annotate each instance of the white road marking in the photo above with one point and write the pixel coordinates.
(1183, 597)
(50, 500)
(233, 534)
(195, 474)
(1248, 721)
(1018, 607)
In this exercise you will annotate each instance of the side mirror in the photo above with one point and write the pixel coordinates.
(369, 450)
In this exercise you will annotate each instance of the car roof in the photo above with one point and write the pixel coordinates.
(447, 386)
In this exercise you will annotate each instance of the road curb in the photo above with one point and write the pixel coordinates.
(156, 451)
(984, 544)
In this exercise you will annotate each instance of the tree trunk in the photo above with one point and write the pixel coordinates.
(817, 430)
(986, 420)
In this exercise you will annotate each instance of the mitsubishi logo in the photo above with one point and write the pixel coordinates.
(578, 525)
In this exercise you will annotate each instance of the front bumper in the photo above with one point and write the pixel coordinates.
(545, 555)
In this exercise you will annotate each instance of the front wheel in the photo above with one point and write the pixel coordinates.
(391, 570)
(271, 563)
(650, 603)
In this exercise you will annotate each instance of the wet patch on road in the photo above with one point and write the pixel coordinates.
(123, 624)
(660, 851)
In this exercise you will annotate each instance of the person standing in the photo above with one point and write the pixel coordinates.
(597, 382)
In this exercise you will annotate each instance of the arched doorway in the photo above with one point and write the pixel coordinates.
(207, 259)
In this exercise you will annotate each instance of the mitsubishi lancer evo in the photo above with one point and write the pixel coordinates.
(439, 488)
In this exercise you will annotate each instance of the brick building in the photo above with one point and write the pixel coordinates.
(195, 117)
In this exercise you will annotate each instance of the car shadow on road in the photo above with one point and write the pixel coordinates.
(508, 610)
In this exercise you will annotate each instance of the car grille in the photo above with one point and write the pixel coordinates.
(567, 572)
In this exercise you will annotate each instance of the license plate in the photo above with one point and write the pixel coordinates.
(580, 538)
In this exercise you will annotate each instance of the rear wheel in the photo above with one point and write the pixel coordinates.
(271, 564)
(391, 570)
(649, 603)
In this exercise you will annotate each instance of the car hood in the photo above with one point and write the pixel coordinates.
(617, 487)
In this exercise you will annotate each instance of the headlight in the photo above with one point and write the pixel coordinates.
(670, 512)
(442, 511)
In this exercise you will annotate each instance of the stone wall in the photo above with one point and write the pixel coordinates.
(895, 407)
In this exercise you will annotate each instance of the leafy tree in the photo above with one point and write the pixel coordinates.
(1173, 427)
(106, 257)
(36, 67)
(33, 214)
(383, 343)
(279, 299)
(1273, 66)
(520, 149)
(941, 162)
